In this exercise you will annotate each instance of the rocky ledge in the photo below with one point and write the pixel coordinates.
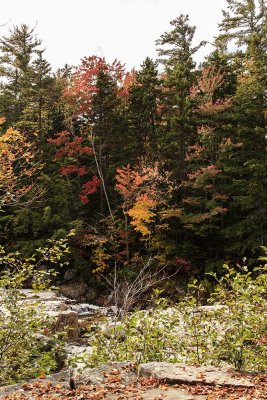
(192, 375)
(152, 381)
(68, 315)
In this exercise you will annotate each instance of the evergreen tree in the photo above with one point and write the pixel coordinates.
(177, 57)
(17, 53)
(35, 115)
(206, 201)
(245, 22)
(103, 119)
(94, 97)
(59, 112)
(245, 25)
(144, 97)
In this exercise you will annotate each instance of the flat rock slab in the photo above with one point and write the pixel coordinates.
(118, 381)
(181, 373)
(100, 375)
(57, 378)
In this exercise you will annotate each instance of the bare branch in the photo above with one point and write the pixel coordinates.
(126, 294)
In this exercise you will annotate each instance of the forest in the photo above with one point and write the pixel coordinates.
(163, 165)
(148, 188)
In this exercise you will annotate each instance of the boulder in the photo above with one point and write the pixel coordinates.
(191, 375)
(78, 291)
(98, 375)
(67, 321)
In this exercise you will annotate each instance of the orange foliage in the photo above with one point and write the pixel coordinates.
(17, 166)
(202, 173)
(142, 191)
(128, 183)
(127, 83)
(142, 214)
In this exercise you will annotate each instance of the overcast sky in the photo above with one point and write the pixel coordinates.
(122, 29)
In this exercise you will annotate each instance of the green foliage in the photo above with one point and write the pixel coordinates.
(22, 325)
(234, 330)
(142, 336)
(28, 82)
(144, 118)
(178, 129)
(243, 319)
(28, 346)
(205, 125)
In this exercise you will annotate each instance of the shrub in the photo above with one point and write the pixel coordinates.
(232, 331)
(27, 347)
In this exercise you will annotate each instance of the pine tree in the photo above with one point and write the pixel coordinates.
(176, 54)
(104, 120)
(206, 201)
(59, 112)
(245, 26)
(144, 97)
(17, 53)
(42, 83)
(245, 23)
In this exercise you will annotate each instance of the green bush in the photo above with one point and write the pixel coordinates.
(141, 336)
(243, 320)
(27, 346)
(232, 331)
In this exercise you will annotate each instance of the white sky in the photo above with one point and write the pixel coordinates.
(122, 29)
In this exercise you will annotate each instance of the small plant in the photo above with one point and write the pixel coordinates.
(244, 317)
(196, 326)
(27, 346)
(141, 336)
(232, 329)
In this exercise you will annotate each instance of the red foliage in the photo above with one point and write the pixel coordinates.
(209, 171)
(88, 188)
(209, 81)
(83, 83)
(73, 169)
(68, 147)
(185, 265)
(207, 84)
(71, 148)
